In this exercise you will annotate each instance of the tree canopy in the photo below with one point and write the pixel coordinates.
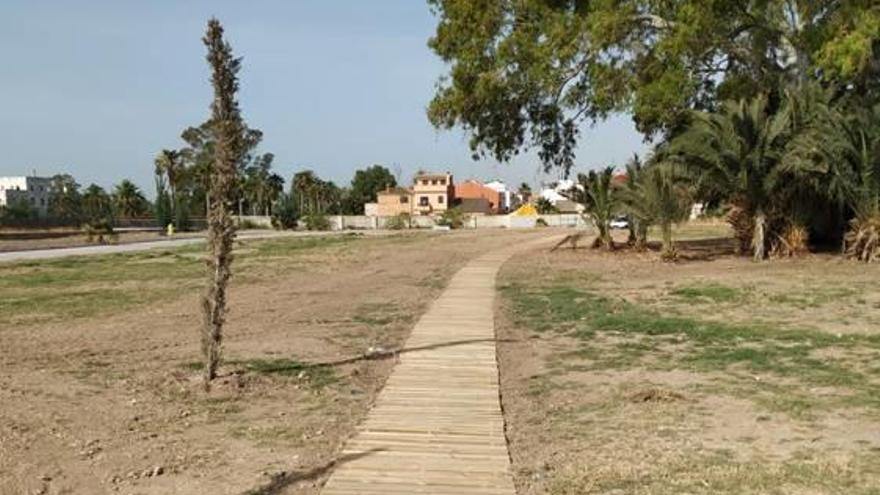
(366, 184)
(528, 73)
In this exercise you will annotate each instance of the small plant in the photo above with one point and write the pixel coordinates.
(863, 238)
(453, 218)
(316, 221)
(99, 232)
(793, 241)
(401, 221)
(541, 222)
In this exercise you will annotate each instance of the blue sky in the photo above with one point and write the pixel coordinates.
(97, 88)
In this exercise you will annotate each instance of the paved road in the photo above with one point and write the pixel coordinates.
(437, 427)
(38, 254)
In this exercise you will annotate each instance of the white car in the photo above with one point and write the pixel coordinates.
(619, 223)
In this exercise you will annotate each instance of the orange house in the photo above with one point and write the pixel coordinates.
(474, 189)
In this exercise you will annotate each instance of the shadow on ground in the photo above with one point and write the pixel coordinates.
(284, 479)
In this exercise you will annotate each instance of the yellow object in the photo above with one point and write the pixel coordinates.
(526, 210)
(170, 230)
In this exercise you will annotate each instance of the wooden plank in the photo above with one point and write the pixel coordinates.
(436, 427)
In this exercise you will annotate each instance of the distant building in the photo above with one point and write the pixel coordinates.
(392, 202)
(473, 189)
(508, 197)
(32, 190)
(558, 195)
(433, 193)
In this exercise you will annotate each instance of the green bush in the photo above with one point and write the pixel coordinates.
(400, 222)
(284, 214)
(453, 218)
(317, 221)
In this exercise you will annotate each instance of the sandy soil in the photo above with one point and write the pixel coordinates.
(115, 404)
(641, 427)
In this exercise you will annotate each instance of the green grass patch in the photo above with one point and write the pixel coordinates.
(708, 474)
(618, 334)
(41, 291)
(708, 293)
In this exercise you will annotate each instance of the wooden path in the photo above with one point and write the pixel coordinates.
(437, 427)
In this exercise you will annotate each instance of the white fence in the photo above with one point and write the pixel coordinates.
(361, 222)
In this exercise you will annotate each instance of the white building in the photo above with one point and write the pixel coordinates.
(557, 194)
(32, 190)
(507, 196)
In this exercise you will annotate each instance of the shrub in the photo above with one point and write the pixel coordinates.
(284, 215)
(863, 238)
(541, 222)
(317, 221)
(453, 218)
(99, 231)
(399, 222)
(793, 241)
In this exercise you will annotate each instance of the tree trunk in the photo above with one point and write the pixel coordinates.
(758, 237)
(605, 236)
(668, 246)
(641, 237)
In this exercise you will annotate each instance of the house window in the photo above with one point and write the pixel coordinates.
(425, 182)
(404, 200)
(442, 182)
(423, 201)
(434, 182)
(440, 199)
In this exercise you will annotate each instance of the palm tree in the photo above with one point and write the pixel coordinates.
(170, 163)
(303, 188)
(638, 226)
(659, 196)
(596, 194)
(129, 200)
(97, 205)
(846, 147)
(738, 153)
(274, 190)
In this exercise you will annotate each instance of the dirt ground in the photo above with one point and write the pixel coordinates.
(105, 397)
(622, 374)
(16, 240)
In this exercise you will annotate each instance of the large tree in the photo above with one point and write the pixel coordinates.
(365, 186)
(65, 200)
(529, 73)
(198, 155)
(739, 153)
(229, 132)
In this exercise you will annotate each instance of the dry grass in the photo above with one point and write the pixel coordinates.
(101, 374)
(711, 375)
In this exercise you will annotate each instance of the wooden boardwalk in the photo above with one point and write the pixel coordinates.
(437, 427)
